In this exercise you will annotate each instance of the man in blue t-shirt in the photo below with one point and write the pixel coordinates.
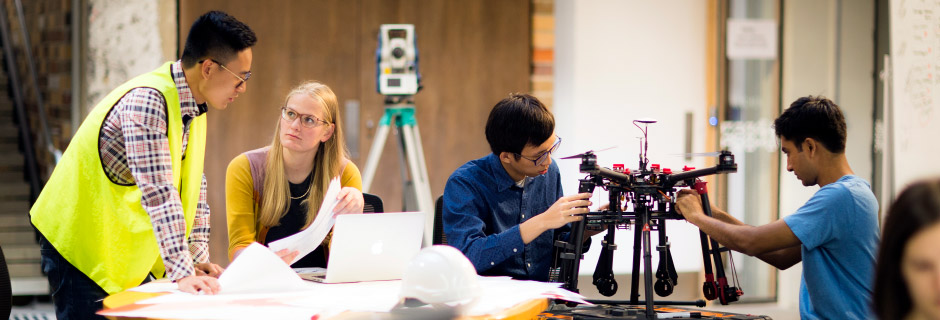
(505, 210)
(835, 234)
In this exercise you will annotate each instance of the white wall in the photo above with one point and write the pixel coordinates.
(616, 61)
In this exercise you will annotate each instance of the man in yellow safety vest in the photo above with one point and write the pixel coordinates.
(127, 201)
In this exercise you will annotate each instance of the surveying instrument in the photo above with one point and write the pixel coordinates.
(398, 79)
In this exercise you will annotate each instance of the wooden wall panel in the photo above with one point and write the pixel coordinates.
(297, 41)
(472, 54)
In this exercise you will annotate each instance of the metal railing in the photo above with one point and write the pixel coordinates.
(32, 163)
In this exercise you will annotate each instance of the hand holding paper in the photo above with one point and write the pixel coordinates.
(349, 201)
(309, 239)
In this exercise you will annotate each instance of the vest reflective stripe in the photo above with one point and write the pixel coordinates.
(101, 227)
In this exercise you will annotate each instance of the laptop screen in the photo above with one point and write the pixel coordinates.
(368, 247)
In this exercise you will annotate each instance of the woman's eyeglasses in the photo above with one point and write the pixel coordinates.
(307, 120)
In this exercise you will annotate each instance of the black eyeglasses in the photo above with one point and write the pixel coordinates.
(545, 155)
(307, 120)
(241, 80)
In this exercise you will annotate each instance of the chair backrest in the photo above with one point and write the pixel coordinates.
(6, 292)
(439, 237)
(373, 204)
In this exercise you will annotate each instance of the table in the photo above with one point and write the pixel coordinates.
(526, 310)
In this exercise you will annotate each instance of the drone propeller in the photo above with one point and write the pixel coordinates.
(586, 152)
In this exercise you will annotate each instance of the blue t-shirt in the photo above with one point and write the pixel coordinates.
(838, 227)
(482, 211)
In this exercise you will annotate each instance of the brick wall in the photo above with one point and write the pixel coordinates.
(543, 50)
(49, 25)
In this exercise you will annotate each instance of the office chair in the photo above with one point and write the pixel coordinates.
(439, 237)
(372, 203)
(6, 292)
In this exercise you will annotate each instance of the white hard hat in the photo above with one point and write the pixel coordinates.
(440, 274)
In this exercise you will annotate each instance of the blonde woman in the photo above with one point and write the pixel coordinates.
(276, 191)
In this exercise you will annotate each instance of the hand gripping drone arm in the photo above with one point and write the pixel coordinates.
(726, 294)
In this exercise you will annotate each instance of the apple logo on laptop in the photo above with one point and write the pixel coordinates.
(377, 248)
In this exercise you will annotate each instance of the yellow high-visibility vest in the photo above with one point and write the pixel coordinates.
(99, 226)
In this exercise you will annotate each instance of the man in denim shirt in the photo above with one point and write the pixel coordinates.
(504, 211)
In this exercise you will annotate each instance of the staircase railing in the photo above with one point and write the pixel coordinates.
(32, 164)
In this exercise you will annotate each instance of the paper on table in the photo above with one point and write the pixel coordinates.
(258, 270)
(365, 296)
(162, 285)
(497, 294)
(309, 239)
(502, 293)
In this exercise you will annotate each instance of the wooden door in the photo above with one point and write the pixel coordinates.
(471, 55)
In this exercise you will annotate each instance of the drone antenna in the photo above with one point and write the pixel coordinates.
(644, 141)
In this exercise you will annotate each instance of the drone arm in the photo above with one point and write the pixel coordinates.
(688, 175)
(609, 174)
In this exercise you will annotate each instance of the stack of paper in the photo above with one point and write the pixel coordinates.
(309, 239)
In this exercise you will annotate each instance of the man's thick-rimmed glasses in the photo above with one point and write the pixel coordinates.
(307, 120)
(241, 80)
(545, 155)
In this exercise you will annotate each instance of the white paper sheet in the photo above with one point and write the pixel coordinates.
(502, 293)
(496, 294)
(258, 270)
(309, 239)
(366, 296)
(162, 285)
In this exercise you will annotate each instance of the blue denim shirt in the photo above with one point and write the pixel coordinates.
(482, 211)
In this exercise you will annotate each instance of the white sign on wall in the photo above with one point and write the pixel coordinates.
(751, 39)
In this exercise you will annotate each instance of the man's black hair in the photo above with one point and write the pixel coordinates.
(216, 35)
(518, 121)
(813, 117)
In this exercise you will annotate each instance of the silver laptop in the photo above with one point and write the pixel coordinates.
(374, 246)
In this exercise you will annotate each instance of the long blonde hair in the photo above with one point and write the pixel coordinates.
(275, 200)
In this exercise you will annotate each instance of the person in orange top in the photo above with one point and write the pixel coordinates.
(276, 191)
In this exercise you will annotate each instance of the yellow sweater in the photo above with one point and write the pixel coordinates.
(242, 203)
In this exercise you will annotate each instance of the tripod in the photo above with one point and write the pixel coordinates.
(400, 110)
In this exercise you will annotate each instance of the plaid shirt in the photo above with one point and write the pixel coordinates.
(135, 150)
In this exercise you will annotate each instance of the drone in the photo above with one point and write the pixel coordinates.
(652, 193)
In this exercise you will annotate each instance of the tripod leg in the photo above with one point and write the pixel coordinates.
(409, 200)
(420, 172)
(375, 153)
(422, 164)
(419, 177)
